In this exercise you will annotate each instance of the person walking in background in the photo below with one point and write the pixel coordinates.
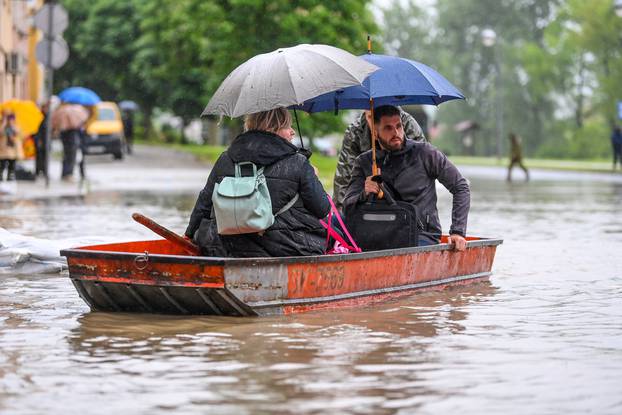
(516, 156)
(40, 139)
(128, 129)
(10, 146)
(68, 119)
(616, 142)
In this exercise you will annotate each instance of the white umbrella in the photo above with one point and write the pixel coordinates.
(286, 77)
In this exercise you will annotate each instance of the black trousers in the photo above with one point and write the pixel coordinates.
(617, 154)
(40, 157)
(70, 140)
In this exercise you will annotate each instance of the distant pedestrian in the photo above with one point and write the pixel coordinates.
(616, 142)
(128, 129)
(10, 146)
(68, 120)
(516, 156)
(40, 138)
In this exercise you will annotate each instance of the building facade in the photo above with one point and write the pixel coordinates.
(20, 74)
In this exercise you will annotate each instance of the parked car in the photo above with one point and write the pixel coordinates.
(104, 131)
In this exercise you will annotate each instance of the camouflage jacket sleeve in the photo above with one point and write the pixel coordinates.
(350, 150)
(412, 129)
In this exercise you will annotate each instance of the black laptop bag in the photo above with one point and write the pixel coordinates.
(384, 223)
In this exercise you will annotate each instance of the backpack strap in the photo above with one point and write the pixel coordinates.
(288, 205)
(259, 172)
(238, 168)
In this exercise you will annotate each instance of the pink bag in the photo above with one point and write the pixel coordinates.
(340, 246)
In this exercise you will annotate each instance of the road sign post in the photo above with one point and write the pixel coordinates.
(52, 51)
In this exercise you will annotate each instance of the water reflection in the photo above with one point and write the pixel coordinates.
(329, 360)
(420, 315)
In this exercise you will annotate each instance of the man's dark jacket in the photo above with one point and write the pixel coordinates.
(356, 141)
(295, 232)
(410, 175)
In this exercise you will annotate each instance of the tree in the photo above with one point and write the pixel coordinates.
(597, 30)
(259, 26)
(448, 38)
(173, 55)
(102, 39)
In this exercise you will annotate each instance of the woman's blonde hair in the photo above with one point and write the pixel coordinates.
(271, 121)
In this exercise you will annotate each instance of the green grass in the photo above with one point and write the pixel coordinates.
(548, 164)
(204, 153)
(327, 165)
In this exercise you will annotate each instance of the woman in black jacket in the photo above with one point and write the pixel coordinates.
(297, 231)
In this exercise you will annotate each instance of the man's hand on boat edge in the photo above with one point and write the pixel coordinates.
(458, 241)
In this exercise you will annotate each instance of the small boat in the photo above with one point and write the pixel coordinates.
(159, 276)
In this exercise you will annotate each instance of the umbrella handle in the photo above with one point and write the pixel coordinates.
(374, 164)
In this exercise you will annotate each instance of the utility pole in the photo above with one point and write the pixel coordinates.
(52, 52)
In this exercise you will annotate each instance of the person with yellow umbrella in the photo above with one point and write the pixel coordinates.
(21, 119)
(10, 146)
(28, 117)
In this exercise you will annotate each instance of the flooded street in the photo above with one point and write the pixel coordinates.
(543, 336)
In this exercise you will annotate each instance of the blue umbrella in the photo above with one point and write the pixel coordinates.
(79, 95)
(399, 81)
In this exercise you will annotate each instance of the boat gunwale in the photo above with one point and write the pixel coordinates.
(206, 260)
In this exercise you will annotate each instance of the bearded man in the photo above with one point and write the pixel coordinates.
(409, 169)
(356, 141)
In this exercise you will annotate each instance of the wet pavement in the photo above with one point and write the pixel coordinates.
(544, 336)
(148, 169)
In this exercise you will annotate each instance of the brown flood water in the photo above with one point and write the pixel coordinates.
(544, 336)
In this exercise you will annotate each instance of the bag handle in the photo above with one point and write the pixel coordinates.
(238, 168)
(388, 195)
(352, 246)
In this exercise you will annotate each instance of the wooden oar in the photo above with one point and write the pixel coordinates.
(167, 234)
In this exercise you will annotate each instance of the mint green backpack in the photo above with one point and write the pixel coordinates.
(242, 204)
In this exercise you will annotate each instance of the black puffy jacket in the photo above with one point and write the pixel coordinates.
(295, 232)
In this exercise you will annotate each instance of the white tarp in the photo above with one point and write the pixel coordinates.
(21, 254)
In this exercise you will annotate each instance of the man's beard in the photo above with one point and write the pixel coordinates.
(390, 146)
